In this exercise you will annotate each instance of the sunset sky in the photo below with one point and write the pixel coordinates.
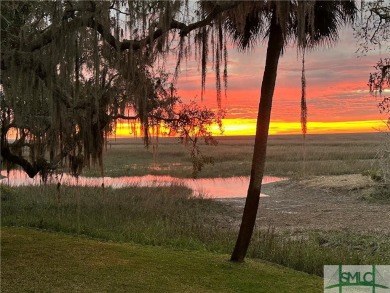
(337, 93)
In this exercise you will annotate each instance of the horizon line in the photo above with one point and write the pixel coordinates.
(247, 127)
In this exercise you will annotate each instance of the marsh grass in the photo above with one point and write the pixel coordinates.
(325, 155)
(310, 252)
(146, 215)
(171, 217)
(379, 193)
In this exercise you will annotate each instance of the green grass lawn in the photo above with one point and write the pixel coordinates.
(36, 261)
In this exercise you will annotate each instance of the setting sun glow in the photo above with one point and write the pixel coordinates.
(242, 127)
(234, 127)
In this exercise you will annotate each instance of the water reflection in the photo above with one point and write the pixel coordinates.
(215, 188)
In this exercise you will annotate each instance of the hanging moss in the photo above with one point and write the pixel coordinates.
(73, 68)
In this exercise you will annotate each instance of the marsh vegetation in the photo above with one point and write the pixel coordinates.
(295, 227)
(325, 155)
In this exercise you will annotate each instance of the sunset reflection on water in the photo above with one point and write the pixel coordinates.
(230, 187)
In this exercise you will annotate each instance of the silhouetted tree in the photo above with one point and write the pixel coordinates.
(70, 69)
(373, 32)
(308, 24)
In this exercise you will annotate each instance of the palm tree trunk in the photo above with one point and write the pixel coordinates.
(274, 49)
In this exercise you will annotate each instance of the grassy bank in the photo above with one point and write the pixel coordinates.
(153, 216)
(34, 261)
(170, 217)
(333, 154)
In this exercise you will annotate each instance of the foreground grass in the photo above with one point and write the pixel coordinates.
(34, 261)
(170, 217)
(167, 216)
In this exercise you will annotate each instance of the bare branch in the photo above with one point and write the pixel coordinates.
(120, 116)
(48, 36)
(118, 10)
(382, 12)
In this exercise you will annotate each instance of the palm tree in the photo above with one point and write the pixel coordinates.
(309, 24)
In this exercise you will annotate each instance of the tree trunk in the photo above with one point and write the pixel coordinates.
(274, 49)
